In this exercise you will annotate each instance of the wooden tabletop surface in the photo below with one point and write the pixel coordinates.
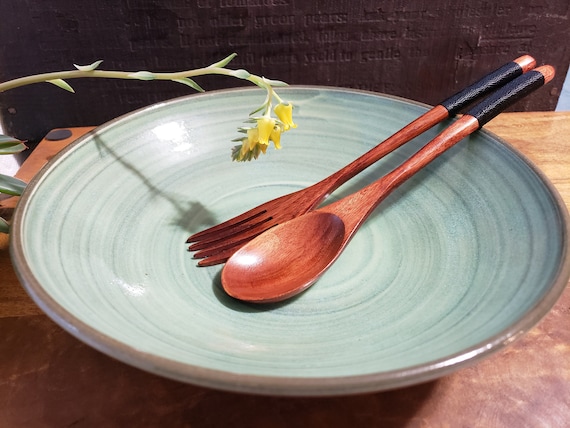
(50, 379)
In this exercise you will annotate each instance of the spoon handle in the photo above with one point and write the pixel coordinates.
(356, 207)
(447, 108)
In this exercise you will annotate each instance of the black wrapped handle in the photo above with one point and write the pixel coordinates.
(490, 82)
(511, 93)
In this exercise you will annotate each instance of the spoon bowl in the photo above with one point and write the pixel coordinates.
(289, 258)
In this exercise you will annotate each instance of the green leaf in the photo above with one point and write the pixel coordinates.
(89, 67)
(142, 75)
(236, 153)
(257, 110)
(61, 84)
(10, 145)
(11, 185)
(274, 82)
(224, 62)
(241, 73)
(189, 82)
(4, 226)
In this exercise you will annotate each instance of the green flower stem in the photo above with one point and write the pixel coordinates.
(262, 83)
(75, 74)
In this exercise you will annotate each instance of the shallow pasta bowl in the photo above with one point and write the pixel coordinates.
(457, 263)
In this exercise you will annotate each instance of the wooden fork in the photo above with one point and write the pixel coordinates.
(216, 244)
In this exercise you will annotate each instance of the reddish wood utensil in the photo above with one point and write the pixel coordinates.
(290, 257)
(216, 244)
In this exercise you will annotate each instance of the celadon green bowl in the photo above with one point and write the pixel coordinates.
(457, 263)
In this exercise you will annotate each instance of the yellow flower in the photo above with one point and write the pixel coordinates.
(265, 126)
(276, 137)
(267, 129)
(252, 138)
(250, 147)
(242, 152)
(285, 114)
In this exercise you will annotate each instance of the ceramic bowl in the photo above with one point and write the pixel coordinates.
(457, 263)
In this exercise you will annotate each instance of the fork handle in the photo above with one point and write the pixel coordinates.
(435, 115)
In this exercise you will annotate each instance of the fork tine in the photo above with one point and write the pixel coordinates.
(217, 259)
(237, 240)
(241, 229)
(228, 224)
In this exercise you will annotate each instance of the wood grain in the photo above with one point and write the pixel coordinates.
(544, 138)
(50, 379)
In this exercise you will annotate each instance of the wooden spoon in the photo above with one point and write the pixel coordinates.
(290, 257)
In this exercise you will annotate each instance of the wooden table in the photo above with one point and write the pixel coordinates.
(49, 378)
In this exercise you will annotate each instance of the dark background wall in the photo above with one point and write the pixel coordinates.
(420, 49)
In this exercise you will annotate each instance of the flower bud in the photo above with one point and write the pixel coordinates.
(285, 114)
